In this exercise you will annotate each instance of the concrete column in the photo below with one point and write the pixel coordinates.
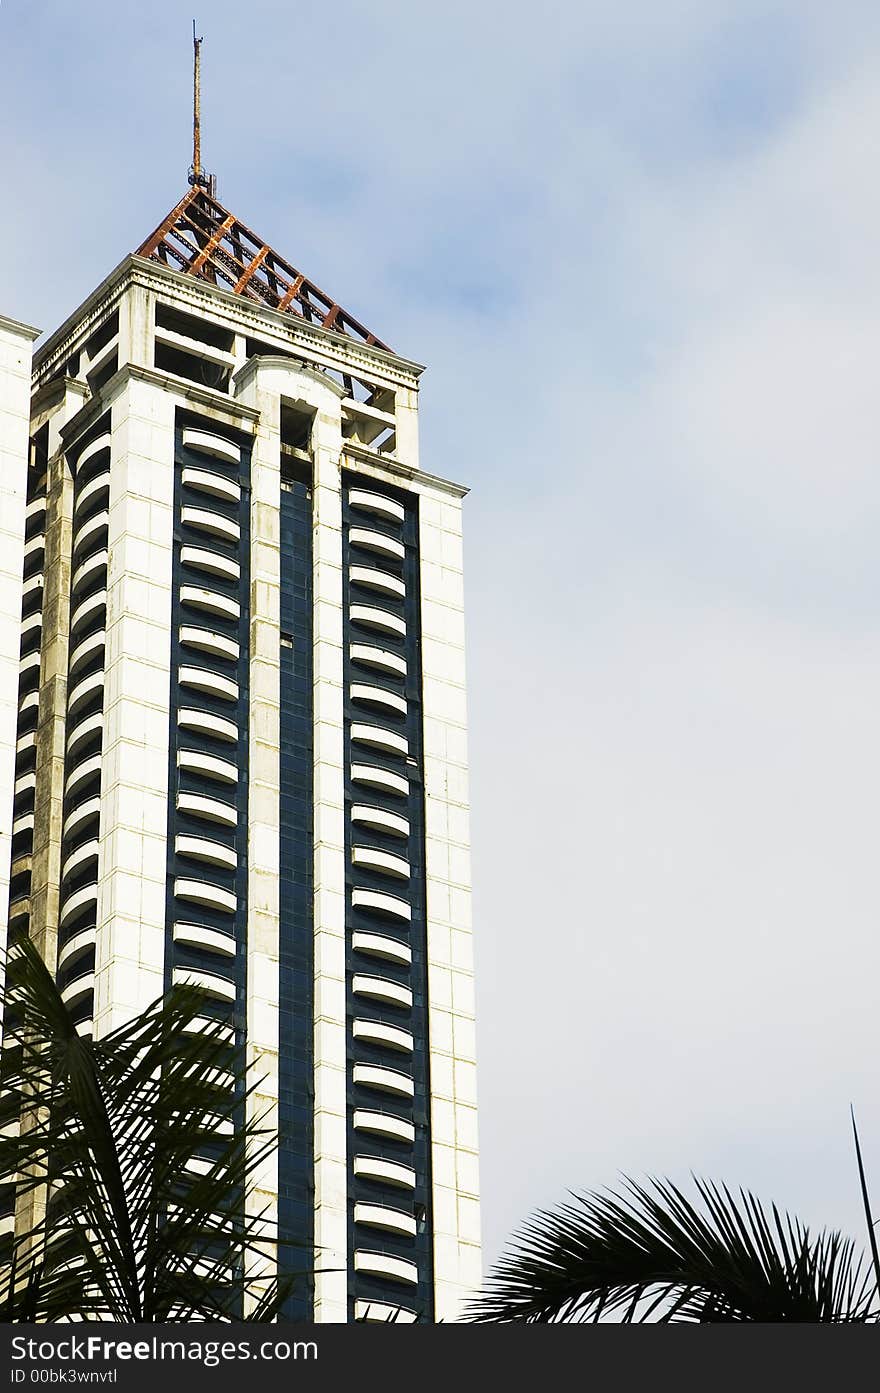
(130, 949)
(331, 1223)
(54, 654)
(52, 719)
(136, 326)
(16, 342)
(406, 410)
(457, 1269)
(264, 785)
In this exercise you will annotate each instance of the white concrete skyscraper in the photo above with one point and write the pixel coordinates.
(232, 729)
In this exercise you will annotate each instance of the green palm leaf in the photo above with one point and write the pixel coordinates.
(134, 1162)
(648, 1252)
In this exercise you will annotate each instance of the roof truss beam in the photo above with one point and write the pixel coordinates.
(207, 241)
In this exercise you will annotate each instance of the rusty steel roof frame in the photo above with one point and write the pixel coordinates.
(202, 238)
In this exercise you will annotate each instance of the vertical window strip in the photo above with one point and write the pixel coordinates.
(296, 1184)
(363, 1288)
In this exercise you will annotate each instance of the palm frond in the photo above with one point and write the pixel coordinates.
(137, 1158)
(649, 1252)
(869, 1217)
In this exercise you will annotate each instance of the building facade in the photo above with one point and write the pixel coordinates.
(233, 733)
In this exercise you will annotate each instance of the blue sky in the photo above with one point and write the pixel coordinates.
(636, 246)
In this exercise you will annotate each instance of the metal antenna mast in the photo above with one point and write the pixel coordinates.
(197, 176)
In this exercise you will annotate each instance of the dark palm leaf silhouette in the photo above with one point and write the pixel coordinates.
(649, 1253)
(131, 1159)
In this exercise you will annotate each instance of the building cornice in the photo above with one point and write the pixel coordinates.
(15, 326)
(328, 347)
(243, 417)
(380, 465)
(322, 346)
(78, 325)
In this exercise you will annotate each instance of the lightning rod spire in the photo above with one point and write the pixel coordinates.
(197, 176)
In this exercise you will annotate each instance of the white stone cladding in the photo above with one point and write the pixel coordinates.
(130, 938)
(331, 1213)
(451, 1032)
(16, 346)
(263, 790)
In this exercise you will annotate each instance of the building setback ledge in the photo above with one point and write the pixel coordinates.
(387, 464)
(15, 326)
(243, 417)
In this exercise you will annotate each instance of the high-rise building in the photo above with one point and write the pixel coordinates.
(232, 729)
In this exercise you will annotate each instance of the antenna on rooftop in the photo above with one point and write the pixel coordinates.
(197, 176)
